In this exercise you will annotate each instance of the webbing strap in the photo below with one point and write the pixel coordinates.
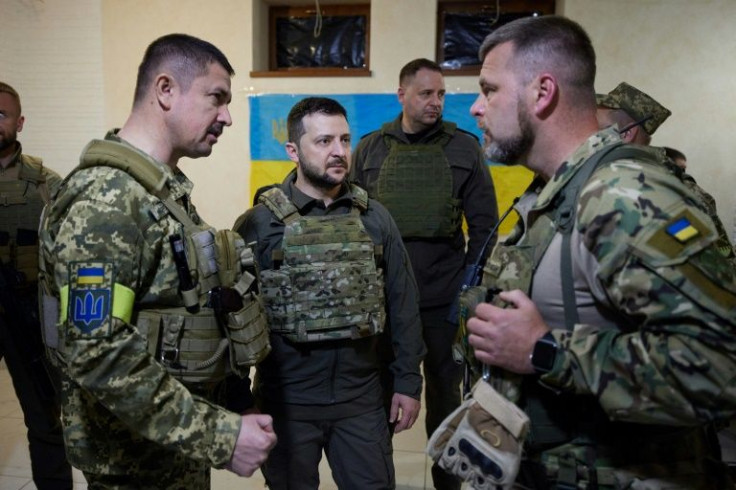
(566, 213)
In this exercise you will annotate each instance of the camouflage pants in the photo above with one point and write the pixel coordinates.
(181, 475)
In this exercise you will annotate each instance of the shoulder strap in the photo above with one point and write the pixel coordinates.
(567, 211)
(32, 171)
(276, 200)
(110, 154)
(116, 155)
(360, 197)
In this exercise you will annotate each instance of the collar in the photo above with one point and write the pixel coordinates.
(574, 162)
(393, 128)
(178, 183)
(303, 202)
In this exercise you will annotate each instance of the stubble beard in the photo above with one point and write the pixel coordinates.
(510, 151)
(321, 180)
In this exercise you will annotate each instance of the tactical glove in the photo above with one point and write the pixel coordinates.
(481, 442)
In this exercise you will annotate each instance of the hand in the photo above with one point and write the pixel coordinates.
(255, 440)
(404, 411)
(505, 337)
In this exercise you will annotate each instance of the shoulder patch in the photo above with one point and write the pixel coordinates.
(90, 299)
(682, 235)
(682, 229)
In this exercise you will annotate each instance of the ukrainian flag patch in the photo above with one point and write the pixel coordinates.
(90, 298)
(682, 230)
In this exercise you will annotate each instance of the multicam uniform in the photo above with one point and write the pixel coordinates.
(106, 255)
(24, 189)
(321, 380)
(709, 206)
(649, 362)
(429, 183)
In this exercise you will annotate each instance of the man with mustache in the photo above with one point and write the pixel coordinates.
(332, 272)
(616, 320)
(129, 274)
(430, 175)
(26, 184)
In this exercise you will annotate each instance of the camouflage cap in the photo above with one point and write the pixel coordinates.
(636, 104)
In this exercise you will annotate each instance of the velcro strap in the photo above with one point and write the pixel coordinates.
(506, 412)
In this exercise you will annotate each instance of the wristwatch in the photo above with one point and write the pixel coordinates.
(544, 354)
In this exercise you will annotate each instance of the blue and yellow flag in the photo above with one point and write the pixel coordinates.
(366, 113)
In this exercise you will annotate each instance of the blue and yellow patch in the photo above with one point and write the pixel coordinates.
(90, 298)
(682, 230)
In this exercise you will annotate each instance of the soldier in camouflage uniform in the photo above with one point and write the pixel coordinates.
(617, 311)
(134, 414)
(431, 175)
(332, 270)
(25, 185)
(637, 115)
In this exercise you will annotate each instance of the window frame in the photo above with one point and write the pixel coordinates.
(481, 7)
(276, 11)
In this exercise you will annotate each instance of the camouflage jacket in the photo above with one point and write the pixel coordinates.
(339, 376)
(438, 264)
(122, 412)
(657, 333)
(709, 206)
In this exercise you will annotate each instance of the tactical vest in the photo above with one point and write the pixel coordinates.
(415, 185)
(195, 347)
(324, 284)
(576, 427)
(21, 203)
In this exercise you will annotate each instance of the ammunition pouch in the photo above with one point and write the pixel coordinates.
(247, 331)
(481, 441)
(194, 350)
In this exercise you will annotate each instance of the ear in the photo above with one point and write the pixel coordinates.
(166, 88)
(401, 92)
(19, 123)
(292, 151)
(546, 92)
(629, 136)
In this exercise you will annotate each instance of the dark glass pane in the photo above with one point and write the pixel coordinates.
(464, 32)
(341, 42)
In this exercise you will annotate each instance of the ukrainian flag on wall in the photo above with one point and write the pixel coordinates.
(366, 113)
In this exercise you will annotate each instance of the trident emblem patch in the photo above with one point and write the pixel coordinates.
(90, 297)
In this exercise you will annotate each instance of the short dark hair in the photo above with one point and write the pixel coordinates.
(7, 89)
(186, 56)
(411, 68)
(306, 107)
(552, 43)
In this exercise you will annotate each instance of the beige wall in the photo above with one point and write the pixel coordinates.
(51, 52)
(680, 51)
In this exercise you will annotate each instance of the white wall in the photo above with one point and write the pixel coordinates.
(679, 51)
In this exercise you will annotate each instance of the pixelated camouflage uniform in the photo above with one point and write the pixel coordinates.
(127, 422)
(650, 362)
